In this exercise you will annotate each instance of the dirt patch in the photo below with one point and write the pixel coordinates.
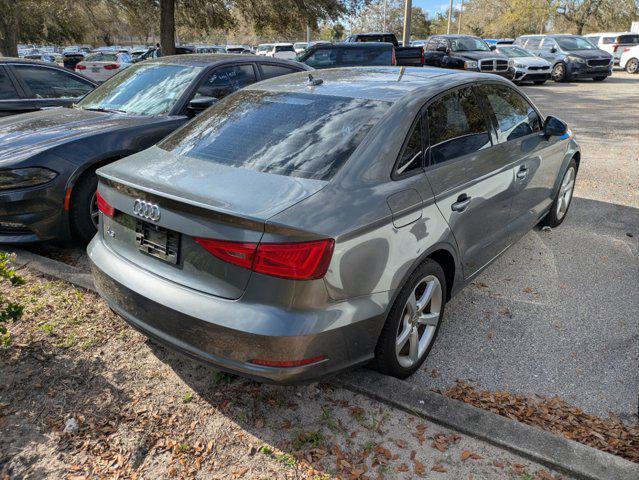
(557, 416)
(133, 409)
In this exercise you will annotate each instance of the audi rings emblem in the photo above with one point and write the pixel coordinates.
(147, 210)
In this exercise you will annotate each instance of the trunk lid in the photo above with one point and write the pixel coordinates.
(195, 198)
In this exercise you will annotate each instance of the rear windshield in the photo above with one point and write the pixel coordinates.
(628, 39)
(102, 57)
(293, 134)
(284, 48)
(375, 38)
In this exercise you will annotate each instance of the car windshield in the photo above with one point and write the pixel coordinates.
(469, 44)
(143, 89)
(574, 43)
(293, 134)
(514, 52)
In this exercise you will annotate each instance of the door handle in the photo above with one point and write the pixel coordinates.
(522, 172)
(461, 204)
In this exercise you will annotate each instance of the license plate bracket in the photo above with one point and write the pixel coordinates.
(95, 69)
(157, 241)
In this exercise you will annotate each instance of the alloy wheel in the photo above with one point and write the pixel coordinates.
(565, 193)
(419, 321)
(93, 209)
(632, 66)
(559, 72)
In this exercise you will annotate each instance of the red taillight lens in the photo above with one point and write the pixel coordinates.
(288, 363)
(104, 206)
(423, 57)
(615, 47)
(393, 59)
(296, 261)
(112, 66)
(79, 66)
(237, 253)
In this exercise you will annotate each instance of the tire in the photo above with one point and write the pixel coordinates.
(402, 363)
(539, 82)
(82, 204)
(558, 212)
(559, 72)
(632, 65)
(600, 79)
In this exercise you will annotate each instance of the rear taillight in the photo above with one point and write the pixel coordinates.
(614, 48)
(104, 206)
(423, 58)
(79, 66)
(296, 261)
(393, 59)
(112, 66)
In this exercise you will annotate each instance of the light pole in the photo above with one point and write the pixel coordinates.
(384, 15)
(407, 14)
(461, 9)
(450, 16)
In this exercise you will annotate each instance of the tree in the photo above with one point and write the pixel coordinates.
(9, 28)
(167, 26)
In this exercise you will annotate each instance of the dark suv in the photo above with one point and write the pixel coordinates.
(571, 56)
(465, 52)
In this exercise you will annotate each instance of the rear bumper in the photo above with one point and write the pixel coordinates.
(230, 333)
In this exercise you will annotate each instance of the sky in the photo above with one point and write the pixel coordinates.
(433, 6)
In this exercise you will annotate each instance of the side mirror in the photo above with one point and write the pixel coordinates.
(493, 47)
(553, 49)
(553, 127)
(200, 104)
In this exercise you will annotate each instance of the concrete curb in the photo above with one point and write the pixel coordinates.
(553, 451)
(559, 453)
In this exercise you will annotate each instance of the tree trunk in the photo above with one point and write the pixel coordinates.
(9, 29)
(167, 27)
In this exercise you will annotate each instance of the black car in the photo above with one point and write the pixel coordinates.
(465, 52)
(405, 56)
(71, 59)
(328, 55)
(571, 56)
(29, 85)
(48, 159)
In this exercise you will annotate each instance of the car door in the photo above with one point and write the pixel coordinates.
(549, 50)
(537, 160)
(432, 56)
(10, 94)
(471, 181)
(49, 87)
(226, 79)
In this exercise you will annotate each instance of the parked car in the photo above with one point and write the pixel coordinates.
(572, 57)
(499, 41)
(630, 59)
(405, 56)
(263, 49)
(299, 47)
(336, 231)
(526, 67)
(101, 66)
(71, 59)
(465, 52)
(348, 55)
(246, 49)
(28, 85)
(613, 42)
(48, 158)
(282, 50)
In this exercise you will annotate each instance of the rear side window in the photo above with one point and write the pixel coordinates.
(293, 134)
(533, 42)
(456, 126)
(52, 83)
(629, 39)
(608, 40)
(270, 71)
(412, 154)
(321, 58)
(225, 80)
(7, 90)
(284, 48)
(593, 40)
(515, 116)
(365, 56)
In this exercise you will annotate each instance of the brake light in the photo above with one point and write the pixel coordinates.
(423, 57)
(79, 66)
(104, 206)
(393, 59)
(296, 261)
(614, 48)
(112, 66)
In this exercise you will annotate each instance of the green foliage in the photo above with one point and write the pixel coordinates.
(9, 311)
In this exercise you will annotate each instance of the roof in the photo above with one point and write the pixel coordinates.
(355, 44)
(28, 61)
(205, 59)
(374, 83)
(454, 35)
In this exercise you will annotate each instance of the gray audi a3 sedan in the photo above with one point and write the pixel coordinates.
(306, 225)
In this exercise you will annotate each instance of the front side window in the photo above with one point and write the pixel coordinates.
(515, 116)
(142, 89)
(7, 90)
(52, 83)
(225, 80)
(270, 71)
(412, 154)
(320, 58)
(570, 44)
(548, 43)
(292, 134)
(456, 126)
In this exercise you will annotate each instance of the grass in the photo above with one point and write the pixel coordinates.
(309, 439)
(187, 397)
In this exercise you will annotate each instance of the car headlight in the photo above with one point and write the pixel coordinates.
(575, 59)
(470, 65)
(25, 177)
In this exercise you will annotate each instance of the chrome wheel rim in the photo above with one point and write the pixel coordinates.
(565, 193)
(633, 66)
(558, 72)
(94, 212)
(419, 321)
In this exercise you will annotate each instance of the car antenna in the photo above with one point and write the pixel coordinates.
(313, 82)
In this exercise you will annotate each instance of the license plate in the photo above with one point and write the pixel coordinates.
(95, 69)
(157, 242)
